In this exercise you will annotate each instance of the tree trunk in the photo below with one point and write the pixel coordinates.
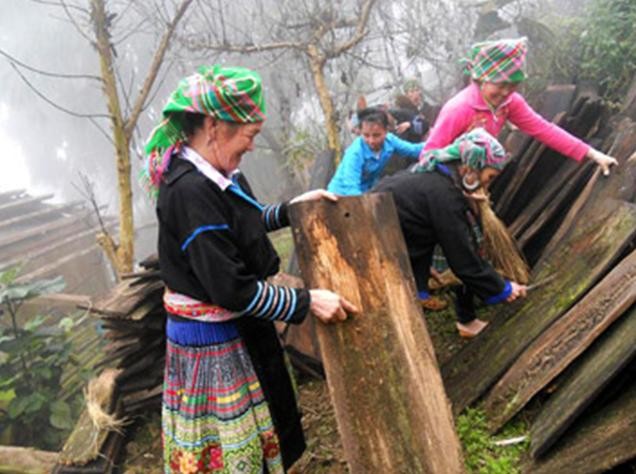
(392, 412)
(317, 63)
(125, 249)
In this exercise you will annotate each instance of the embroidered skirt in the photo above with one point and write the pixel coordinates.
(215, 417)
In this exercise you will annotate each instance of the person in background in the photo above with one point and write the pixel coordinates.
(411, 124)
(368, 154)
(491, 99)
(228, 402)
(434, 208)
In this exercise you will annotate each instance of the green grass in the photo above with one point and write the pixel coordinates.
(482, 455)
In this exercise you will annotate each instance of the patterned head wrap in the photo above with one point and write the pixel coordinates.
(498, 61)
(477, 149)
(230, 94)
(411, 84)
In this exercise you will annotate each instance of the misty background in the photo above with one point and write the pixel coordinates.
(54, 128)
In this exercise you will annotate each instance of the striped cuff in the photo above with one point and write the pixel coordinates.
(275, 216)
(503, 296)
(277, 303)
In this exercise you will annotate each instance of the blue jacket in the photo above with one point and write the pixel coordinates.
(360, 168)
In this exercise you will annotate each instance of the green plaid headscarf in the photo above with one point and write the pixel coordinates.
(498, 61)
(230, 94)
(411, 84)
(477, 149)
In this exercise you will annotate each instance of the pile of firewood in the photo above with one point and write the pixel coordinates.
(133, 319)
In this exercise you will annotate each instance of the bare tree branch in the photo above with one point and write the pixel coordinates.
(154, 68)
(74, 22)
(57, 4)
(50, 102)
(133, 30)
(248, 48)
(15, 61)
(86, 189)
(359, 33)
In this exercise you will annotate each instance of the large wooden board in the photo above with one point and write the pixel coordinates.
(582, 384)
(562, 343)
(383, 378)
(602, 228)
(597, 443)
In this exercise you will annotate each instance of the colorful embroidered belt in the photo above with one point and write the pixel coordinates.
(190, 308)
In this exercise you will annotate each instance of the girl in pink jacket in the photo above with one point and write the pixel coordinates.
(496, 69)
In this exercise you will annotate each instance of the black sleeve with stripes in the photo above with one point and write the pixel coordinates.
(275, 216)
(208, 242)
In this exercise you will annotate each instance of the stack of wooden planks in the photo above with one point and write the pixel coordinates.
(571, 344)
(133, 319)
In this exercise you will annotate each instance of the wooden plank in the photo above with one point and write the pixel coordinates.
(555, 100)
(8, 195)
(581, 385)
(597, 443)
(525, 164)
(578, 261)
(17, 459)
(125, 298)
(301, 337)
(562, 342)
(321, 172)
(85, 442)
(24, 234)
(548, 164)
(108, 461)
(52, 210)
(550, 212)
(53, 268)
(43, 250)
(12, 207)
(381, 368)
(583, 118)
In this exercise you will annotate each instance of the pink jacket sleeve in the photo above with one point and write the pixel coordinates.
(553, 136)
(453, 120)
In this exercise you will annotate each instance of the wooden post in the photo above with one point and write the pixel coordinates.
(384, 382)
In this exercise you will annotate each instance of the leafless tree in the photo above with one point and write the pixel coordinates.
(318, 31)
(104, 24)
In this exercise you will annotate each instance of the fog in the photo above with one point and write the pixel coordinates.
(44, 148)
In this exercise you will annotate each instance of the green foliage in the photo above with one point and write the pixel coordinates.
(32, 360)
(597, 45)
(609, 46)
(482, 455)
(300, 152)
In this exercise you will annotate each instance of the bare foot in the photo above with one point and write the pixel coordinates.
(471, 329)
